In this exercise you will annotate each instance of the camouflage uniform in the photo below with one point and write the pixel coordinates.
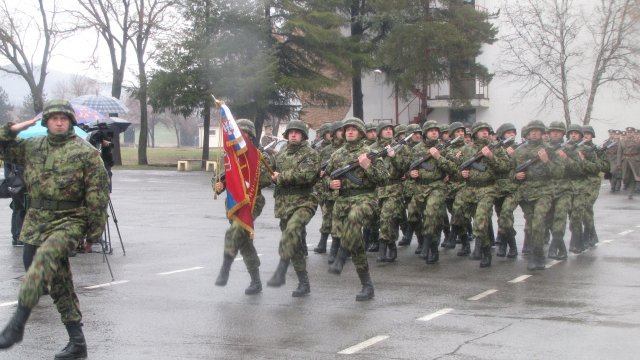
(408, 185)
(455, 184)
(323, 130)
(629, 161)
(69, 191)
(536, 191)
(507, 195)
(356, 202)
(370, 126)
(390, 197)
(600, 164)
(614, 171)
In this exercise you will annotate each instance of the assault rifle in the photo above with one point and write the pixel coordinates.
(574, 146)
(598, 149)
(221, 175)
(414, 165)
(314, 145)
(522, 167)
(324, 165)
(336, 174)
(472, 162)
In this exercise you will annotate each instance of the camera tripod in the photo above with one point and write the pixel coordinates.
(105, 239)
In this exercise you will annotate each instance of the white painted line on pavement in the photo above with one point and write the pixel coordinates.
(484, 294)
(606, 242)
(8, 303)
(240, 257)
(435, 314)
(552, 262)
(183, 270)
(637, 225)
(364, 344)
(519, 279)
(107, 284)
(626, 232)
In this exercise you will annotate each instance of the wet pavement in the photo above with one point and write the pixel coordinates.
(164, 304)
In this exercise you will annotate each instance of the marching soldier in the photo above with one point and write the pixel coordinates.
(236, 237)
(296, 172)
(325, 133)
(593, 190)
(579, 184)
(372, 134)
(444, 133)
(400, 131)
(454, 185)
(508, 198)
(629, 160)
(615, 173)
(409, 185)
(356, 201)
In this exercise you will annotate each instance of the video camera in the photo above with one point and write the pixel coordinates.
(98, 132)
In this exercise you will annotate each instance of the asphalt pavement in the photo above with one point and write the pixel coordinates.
(163, 303)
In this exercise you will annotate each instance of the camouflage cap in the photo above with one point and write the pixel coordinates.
(588, 129)
(480, 125)
(58, 106)
(536, 124)
(385, 124)
(502, 129)
(414, 128)
(400, 129)
(335, 127)
(297, 125)
(575, 127)
(430, 124)
(359, 124)
(370, 126)
(455, 126)
(247, 126)
(558, 125)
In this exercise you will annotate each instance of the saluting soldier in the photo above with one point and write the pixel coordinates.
(295, 174)
(629, 160)
(408, 186)
(356, 201)
(237, 238)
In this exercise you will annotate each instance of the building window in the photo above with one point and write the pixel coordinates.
(213, 132)
(467, 117)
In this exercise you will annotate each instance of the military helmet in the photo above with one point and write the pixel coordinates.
(558, 125)
(324, 128)
(58, 106)
(297, 125)
(430, 124)
(359, 124)
(335, 127)
(370, 126)
(525, 131)
(536, 124)
(400, 129)
(247, 126)
(385, 124)
(575, 127)
(444, 128)
(480, 125)
(413, 128)
(588, 129)
(502, 129)
(455, 126)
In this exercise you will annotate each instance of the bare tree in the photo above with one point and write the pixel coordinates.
(149, 21)
(28, 38)
(544, 51)
(75, 86)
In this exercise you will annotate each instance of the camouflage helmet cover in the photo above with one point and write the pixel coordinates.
(430, 124)
(57, 106)
(575, 127)
(444, 128)
(502, 129)
(455, 126)
(536, 124)
(588, 129)
(335, 127)
(400, 129)
(480, 125)
(359, 124)
(414, 128)
(324, 128)
(247, 126)
(558, 125)
(385, 124)
(370, 126)
(297, 125)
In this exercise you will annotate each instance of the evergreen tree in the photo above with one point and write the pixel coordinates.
(5, 107)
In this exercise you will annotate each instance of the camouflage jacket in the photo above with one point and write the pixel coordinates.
(375, 175)
(298, 166)
(370, 142)
(595, 164)
(571, 166)
(408, 183)
(327, 151)
(506, 185)
(60, 167)
(323, 145)
(397, 165)
(538, 177)
(326, 193)
(495, 166)
(432, 171)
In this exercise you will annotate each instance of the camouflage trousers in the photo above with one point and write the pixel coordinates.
(452, 192)
(536, 213)
(238, 239)
(372, 223)
(560, 209)
(391, 215)
(51, 266)
(292, 239)
(327, 213)
(578, 205)
(477, 203)
(592, 196)
(505, 206)
(349, 217)
(431, 208)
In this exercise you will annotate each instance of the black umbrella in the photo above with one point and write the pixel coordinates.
(113, 124)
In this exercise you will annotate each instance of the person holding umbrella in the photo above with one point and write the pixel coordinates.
(68, 194)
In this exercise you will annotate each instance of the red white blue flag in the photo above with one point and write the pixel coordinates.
(242, 168)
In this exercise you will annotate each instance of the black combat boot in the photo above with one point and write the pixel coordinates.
(393, 251)
(526, 249)
(255, 287)
(434, 254)
(513, 248)
(486, 257)
(367, 288)
(224, 271)
(477, 250)
(586, 238)
(502, 246)
(541, 261)
(562, 250)
(593, 239)
(420, 244)
(77, 347)
(450, 242)
(366, 237)
(424, 253)
(492, 235)
(322, 244)
(499, 239)
(382, 252)
(304, 288)
(447, 234)
(574, 243)
(335, 245)
(465, 250)
(14, 330)
(553, 249)
(374, 239)
(336, 267)
(279, 277)
(582, 243)
(408, 236)
(531, 265)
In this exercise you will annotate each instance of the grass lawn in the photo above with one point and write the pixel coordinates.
(162, 157)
